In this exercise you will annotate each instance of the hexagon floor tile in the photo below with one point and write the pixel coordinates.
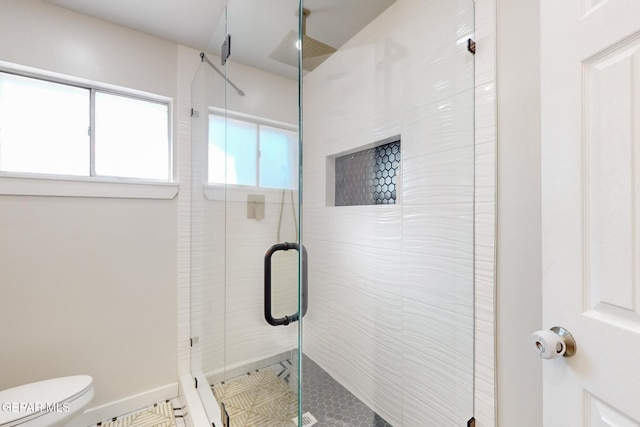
(331, 403)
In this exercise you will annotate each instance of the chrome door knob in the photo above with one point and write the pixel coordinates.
(553, 343)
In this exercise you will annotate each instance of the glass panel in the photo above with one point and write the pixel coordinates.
(131, 137)
(389, 329)
(43, 127)
(208, 243)
(284, 283)
(388, 335)
(242, 205)
(236, 141)
(278, 158)
(217, 156)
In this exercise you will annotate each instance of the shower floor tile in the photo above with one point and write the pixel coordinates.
(258, 399)
(331, 403)
(264, 398)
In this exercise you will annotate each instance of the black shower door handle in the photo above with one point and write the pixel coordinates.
(267, 284)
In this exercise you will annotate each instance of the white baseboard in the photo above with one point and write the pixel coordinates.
(245, 366)
(92, 416)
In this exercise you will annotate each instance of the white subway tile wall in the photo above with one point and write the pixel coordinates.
(391, 287)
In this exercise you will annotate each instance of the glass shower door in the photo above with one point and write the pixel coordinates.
(245, 227)
(388, 214)
(333, 212)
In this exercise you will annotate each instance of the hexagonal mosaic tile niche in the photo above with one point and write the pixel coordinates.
(368, 177)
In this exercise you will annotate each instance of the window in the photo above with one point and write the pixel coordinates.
(253, 153)
(62, 129)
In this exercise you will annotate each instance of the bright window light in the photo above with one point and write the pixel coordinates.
(252, 154)
(47, 128)
(238, 140)
(278, 157)
(43, 127)
(132, 138)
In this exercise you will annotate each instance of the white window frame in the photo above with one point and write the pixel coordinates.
(43, 184)
(212, 190)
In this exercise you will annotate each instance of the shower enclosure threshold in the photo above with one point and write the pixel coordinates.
(266, 398)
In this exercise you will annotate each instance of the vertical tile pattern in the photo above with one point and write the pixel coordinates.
(391, 313)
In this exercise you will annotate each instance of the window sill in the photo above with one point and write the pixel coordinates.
(26, 185)
(239, 193)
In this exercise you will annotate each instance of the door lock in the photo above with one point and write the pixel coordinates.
(553, 343)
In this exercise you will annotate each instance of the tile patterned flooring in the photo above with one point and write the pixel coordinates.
(259, 398)
(264, 398)
(268, 398)
(159, 415)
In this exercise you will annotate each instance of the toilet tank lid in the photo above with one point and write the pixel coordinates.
(25, 400)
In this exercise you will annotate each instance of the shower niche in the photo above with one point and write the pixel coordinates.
(369, 176)
(378, 312)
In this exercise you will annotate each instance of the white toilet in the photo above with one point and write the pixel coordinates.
(49, 403)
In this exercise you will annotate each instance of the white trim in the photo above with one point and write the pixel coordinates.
(124, 406)
(209, 402)
(238, 193)
(219, 375)
(67, 186)
(199, 404)
(41, 74)
(194, 413)
(95, 87)
(221, 112)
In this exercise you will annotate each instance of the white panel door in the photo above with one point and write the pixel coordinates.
(591, 208)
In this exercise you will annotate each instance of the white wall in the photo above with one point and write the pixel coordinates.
(518, 272)
(88, 284)
(44, 36)
(507, 289)
(391, 287)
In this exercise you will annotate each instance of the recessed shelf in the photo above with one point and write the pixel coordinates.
(368, 177)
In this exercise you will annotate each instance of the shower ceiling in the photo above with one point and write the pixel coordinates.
(257, 26)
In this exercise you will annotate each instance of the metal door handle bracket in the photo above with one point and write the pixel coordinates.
(267, 284)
